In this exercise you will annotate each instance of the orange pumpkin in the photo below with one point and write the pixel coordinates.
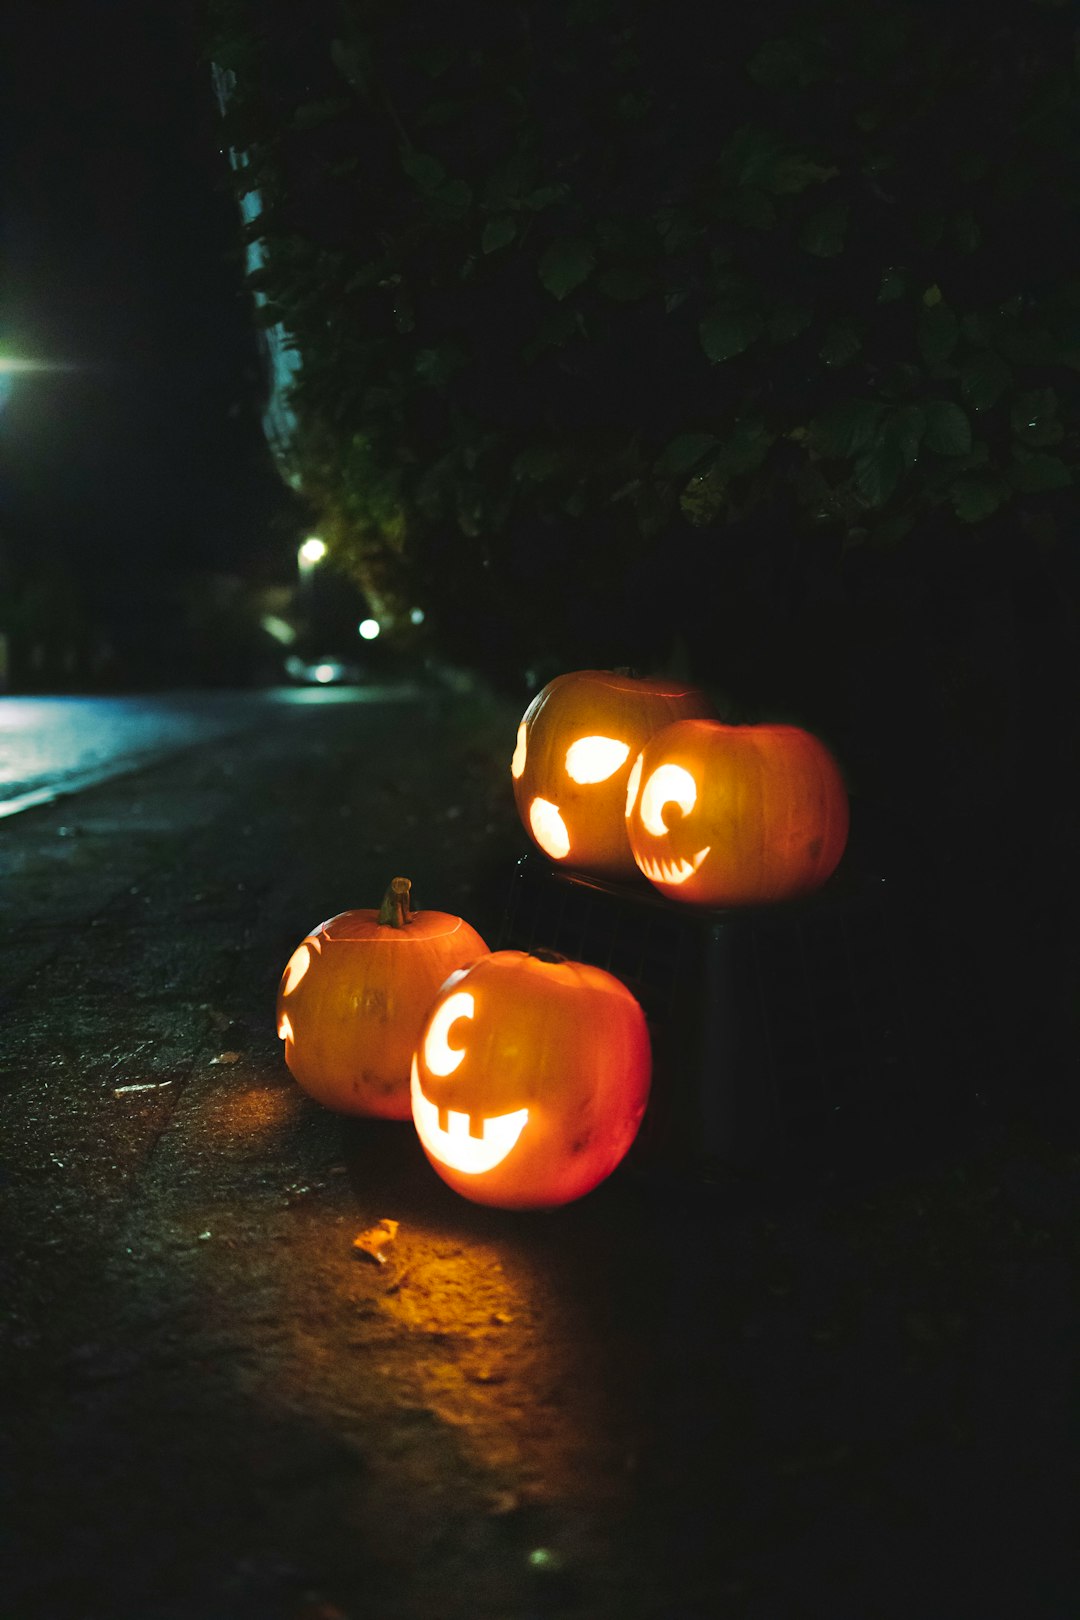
(530, 1079)
(575, 746)
(353, 999)
(736, 815)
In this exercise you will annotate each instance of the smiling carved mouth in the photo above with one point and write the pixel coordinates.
(672, 871)
(457, 1144)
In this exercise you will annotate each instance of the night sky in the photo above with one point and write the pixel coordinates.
(122, 261)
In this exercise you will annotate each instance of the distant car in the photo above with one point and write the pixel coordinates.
(328, 671)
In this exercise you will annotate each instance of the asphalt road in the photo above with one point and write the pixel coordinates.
(58, 745)
(672, 1401)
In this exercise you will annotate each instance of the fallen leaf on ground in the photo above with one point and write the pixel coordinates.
(225, 1057)
(375, 1239)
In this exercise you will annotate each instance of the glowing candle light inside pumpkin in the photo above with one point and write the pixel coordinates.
(575, 746)
(440, 1057)
(354, 998)
(551, 1086)
(299, 962)
(549, 829)
(472, 1147)
(517, 764)
(594, 759)
(737, 815)
(668, 785)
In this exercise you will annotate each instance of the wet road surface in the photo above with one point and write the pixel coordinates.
(55, 745)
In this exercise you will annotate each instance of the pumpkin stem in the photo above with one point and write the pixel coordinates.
(395, 909)
(544, 954)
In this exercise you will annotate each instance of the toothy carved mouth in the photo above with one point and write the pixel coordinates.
(456, 1145)
(672, 871)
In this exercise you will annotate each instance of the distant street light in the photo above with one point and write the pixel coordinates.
(368, 628)
(308, 557)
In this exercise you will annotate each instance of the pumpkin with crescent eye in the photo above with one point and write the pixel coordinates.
(575, 745)
(354, 996)
(722, 815)
(530, 1079)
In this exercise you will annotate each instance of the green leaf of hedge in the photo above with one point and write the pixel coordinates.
(625, 283)
(565, 264)
(725, 333)
(984, 377)
(1034, 417)
(679, 458)
(937, 332)
(877, 472)
(544, 197)
(893, 285)
(498, 233)
(974, 499)
(824, 232)
(788, 321)
(845, 429)
(904, 429)
(425, 172)
(791, 174)
(746, 449)
(841, 343)
(1031, 475)
(1029, 346)
(538, 462)
(948, 430)
(785, 61)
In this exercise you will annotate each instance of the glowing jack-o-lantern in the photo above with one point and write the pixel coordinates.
(736, 815)
(354, 996)
(575, 746)
(530, 1079)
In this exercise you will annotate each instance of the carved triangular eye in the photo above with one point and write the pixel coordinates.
(517, 764)
(668, 784)
(594, 759)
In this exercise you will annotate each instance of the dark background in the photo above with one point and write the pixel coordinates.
(139, 469)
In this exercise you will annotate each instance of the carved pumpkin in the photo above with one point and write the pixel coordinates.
(530, 1079)
(736, 815)
(354, 996)
(575, 746)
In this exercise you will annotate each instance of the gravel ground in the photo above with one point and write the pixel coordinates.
(669, 1401)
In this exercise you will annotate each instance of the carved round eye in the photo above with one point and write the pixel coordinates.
(668, 784)
(299, 962)
(517, 764)
(549, 829)
(440, 1057)
(632, 785)
(594, 759)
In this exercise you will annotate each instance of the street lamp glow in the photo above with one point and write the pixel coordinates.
(313, 549)
(416, 615)
(369, 628)
(10, 366)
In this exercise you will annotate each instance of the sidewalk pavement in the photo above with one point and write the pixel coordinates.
(654, 1403)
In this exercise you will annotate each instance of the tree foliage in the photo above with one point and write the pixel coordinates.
(604, 305)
